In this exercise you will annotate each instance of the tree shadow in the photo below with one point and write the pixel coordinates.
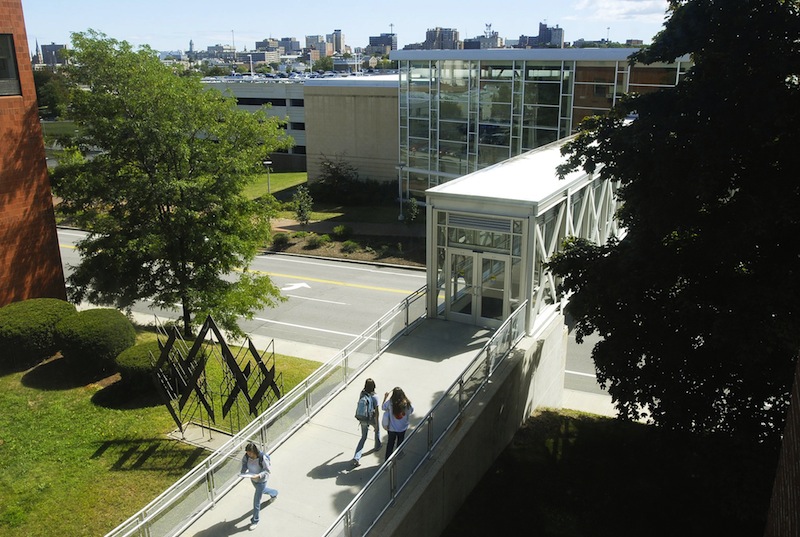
(64, 374)
(122, 396)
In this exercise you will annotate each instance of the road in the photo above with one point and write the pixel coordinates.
(331, 302)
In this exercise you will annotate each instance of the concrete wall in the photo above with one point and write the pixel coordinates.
(357, 123)
(30, 262)
(532, 377)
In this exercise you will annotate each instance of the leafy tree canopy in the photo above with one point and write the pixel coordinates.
(697, 305)
(164, 198)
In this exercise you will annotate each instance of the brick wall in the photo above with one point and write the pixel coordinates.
(783, 519)
(30, 262)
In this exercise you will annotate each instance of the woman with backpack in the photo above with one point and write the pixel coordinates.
(256, 466)
(399, 409)
(367, 414)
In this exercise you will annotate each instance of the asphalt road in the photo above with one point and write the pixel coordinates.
(331, 302)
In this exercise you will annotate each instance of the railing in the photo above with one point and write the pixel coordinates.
(376, 497)
(184, 502)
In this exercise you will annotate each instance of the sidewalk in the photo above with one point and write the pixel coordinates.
(312, 469)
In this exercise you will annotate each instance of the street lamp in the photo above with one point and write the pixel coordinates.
(267, 164)
(400, 189)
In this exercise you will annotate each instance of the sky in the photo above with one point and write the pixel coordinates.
(169, 24)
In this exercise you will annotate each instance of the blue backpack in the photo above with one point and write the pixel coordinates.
(364, 408)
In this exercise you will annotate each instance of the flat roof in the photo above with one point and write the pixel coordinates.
(529, 178)
(544, 54)
(392, 81)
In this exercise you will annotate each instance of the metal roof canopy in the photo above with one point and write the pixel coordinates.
(522, 186)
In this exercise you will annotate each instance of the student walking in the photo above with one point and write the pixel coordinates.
(399, 409)
(367, 416)
(256, 465)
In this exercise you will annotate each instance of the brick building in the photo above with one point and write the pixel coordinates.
(30, 262)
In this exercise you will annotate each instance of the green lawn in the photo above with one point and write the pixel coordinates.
(567, 474)
(78, 459)
(53, 129)
(274, 183)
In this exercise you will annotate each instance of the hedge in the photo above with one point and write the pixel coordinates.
(27, 329)
(95, 337)
(135, 365)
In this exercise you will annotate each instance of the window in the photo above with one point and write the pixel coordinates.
(9, 76)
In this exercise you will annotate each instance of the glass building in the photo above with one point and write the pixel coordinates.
(465, 110)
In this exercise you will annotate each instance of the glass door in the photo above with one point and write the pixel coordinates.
(459, 294)
(476, 288)
(492, 290)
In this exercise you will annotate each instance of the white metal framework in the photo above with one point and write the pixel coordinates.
(490, 234)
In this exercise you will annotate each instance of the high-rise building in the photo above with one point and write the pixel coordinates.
(441, 38)
(337, 40)
(464, 110)
(267, 44)
(381, 44)
(53, 54)
(30, 262)
(290, 45)
(489, 39)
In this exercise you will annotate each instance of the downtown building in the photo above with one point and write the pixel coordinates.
(464, 110)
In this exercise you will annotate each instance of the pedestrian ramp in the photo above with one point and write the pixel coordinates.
(312, 467)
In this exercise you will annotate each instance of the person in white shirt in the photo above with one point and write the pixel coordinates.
(256, 464)
(399, 409)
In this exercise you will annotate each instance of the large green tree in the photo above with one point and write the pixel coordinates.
(697, 305)
(164, 197)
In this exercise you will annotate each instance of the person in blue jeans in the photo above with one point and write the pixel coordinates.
(369, 389)
(256, 464)
(399, 409)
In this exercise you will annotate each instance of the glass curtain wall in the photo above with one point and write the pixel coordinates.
(459, 116)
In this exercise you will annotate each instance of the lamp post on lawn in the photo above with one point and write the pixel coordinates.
(267, 164)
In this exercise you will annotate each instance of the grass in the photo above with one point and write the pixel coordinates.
(274, 183)
(53, 129)
(75, 461)
(567, 474)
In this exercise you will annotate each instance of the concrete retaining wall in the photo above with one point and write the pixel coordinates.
(438, 490)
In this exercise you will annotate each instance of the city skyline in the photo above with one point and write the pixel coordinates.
(171, 25)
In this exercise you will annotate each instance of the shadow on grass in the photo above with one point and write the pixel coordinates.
(121, 396)
(151, 454)
(571, 474)
(63, 374)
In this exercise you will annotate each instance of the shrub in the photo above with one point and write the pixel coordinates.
(349, 247)
(342, 232)
(27, 329)
(280, 241)
(135, 366)
(314, 241)
(95, 337)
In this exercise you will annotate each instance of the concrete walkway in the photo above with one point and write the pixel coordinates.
(312, 469)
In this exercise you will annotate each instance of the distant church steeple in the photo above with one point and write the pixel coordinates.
(37, 56)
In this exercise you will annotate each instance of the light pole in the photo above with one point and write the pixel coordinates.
(267, 164)
(400, 189)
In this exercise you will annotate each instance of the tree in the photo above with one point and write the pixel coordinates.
(164, 199)
(697, 305)
(51, 92)
(324, 64)
(303, 204)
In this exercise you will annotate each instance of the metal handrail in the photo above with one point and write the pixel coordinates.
(487, 360)
(141, 523)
